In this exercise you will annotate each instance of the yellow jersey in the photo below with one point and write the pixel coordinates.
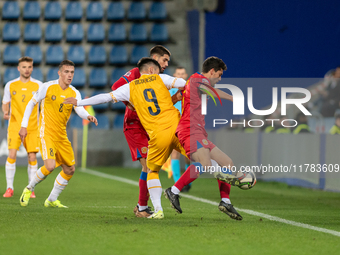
(54, 114)
(18, 94)
(152, 101)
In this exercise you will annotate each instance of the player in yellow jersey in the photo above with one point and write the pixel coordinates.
(17, 94)
(151, 98)
(55, 147)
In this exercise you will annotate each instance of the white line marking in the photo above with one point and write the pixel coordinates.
(251, 212)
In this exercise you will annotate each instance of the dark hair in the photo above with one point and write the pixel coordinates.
(213, 63)
(25, 59)
(147, 61)
(66, 62)
(159, 50)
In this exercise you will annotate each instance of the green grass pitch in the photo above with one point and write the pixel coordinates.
(100, 219)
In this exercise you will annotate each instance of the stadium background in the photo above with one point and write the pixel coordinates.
(106, 38)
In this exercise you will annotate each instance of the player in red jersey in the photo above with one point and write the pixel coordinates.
(135, 134)
(194, 138)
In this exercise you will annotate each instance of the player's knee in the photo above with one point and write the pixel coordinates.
(50, 167)
(71, 170)
(32, 157)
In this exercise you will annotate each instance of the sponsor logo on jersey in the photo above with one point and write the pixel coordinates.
(127, 74)
(14, 92)
(144, 150)
(53, 97)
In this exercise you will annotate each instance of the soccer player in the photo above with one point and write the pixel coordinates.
(180, 72)
(136, 136)
(55, 147)
(194, 138)
(18, 93)
(153, 104)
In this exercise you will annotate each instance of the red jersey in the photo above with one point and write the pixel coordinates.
(131, 119)
(191, 105)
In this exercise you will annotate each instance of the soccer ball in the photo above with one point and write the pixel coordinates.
(248, 181)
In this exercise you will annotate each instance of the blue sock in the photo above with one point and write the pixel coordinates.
(176, 169)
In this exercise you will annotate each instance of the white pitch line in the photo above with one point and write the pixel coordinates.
(251, 212)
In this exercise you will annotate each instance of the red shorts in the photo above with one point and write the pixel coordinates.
(137, 139)
(192, 142)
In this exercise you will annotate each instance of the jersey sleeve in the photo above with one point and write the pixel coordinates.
(121, 94)
(40, 94)
(7, 94)
(172, 82)
(126, 78)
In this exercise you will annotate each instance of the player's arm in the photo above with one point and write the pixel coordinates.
(172, 82)
(82, 113)
(120, 82)
(176, 97)
(37, 97)
(221, 93)
(5, 101)
(121, 94)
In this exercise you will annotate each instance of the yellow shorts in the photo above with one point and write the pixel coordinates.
(160, 147)
(61, 151)
(31, 142)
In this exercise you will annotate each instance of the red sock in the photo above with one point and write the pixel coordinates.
(187, 177)
(143, 190)
(224, 189)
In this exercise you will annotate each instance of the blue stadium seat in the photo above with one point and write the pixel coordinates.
(98, 78)
(95, 33)
(11, 54)
(118, 55)
(94, 11)
(97, 55)
(159, 33)
(120, 106)
(138, 33)
(73, 11)
(11, 32)
(118, 121)
(103, 122)
(115, 11)
(117, 33)
(74, 32)
(53, 32)
(54, 55)
(76, 53)
(52, 11)
(32, 10)
(99, 107)
(52, 74)
(79, 78)
(137, 53)
(157, 11)
(34, 51)
(10, 10)
(76, 122)
(37, 74)
(11, 73)
(32, 32)
(137, 11)
(116, 74)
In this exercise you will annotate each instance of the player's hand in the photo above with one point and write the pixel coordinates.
(23, 133)
(128, 105)
(176, 97)
(70, 100)
(6, 116)
(93, 119)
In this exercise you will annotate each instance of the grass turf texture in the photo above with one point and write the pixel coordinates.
(100, 219)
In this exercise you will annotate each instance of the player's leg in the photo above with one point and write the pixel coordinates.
(10, 172)
(48, 151)
(31, 145)
(187, 164)
(225, 204)
(60, 183)
(175, 165)
(64, 157)
(137, 140)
